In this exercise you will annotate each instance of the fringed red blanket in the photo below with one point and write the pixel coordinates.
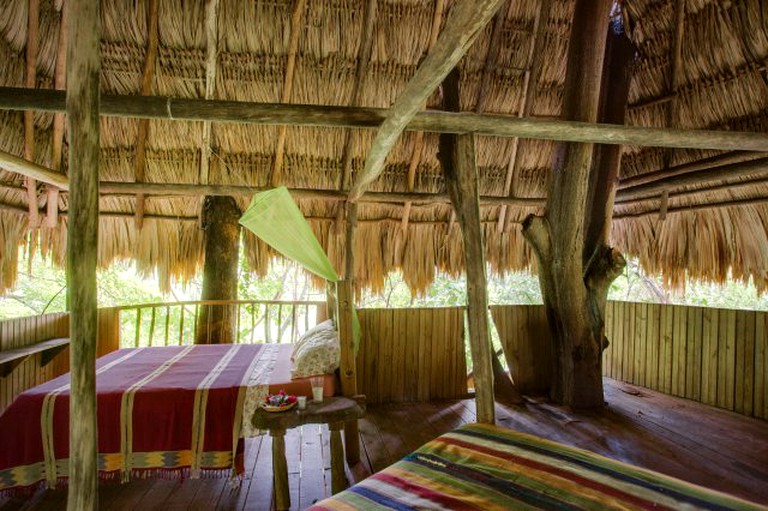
(172, 411)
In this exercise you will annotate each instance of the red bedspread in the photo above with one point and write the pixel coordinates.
(175, 409)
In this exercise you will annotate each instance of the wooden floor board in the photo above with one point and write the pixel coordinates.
(685, 439)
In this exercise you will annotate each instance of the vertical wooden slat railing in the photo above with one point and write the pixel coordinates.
(21, 332)
(411, 354)
(715, 356)
(163, 324)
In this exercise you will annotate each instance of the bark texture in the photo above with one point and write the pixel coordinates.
(457, 158)
(82, 248)
(576, 265)
(216, 323)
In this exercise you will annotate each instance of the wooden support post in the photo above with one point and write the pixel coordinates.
(457, 157)
(280, 470)
(345, 296)
(82, 247)
(338, 477)
(222, 247)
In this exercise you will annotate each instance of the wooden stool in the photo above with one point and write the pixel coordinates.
(334, 411)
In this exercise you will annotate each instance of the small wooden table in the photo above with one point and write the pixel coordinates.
(334, 411)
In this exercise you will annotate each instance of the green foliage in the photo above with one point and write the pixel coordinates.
(42, 288)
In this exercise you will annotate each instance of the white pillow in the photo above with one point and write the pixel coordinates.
(325, 326)
(317, 352)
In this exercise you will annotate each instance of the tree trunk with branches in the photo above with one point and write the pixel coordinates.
(576, 264)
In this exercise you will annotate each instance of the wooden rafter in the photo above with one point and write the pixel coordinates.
(290, 66)
(418, 142)
(699, 206)
(464, 24)
(57, 136)
(149, 107)
(685, 168)
(147, 77)
(712, 176)
(211, 57)
(530, 80)
(653, 211)
(30, 80)
(676, 74)
(361, 71)
(32, 170)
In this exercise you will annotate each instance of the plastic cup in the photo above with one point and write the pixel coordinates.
(302, 402)
(317, 394)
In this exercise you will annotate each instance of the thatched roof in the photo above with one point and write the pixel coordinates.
(706, 231)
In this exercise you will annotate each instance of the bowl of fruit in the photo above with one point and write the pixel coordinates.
(279, 402)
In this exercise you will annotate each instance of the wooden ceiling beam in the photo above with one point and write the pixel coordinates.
(704, 205)
(463, 26)
(685, 168)
(753, 201)
(149, 107)
(147, 76)
(712, 175)
(30, 80)
(57, 132)
(754, 169)
(290, 66)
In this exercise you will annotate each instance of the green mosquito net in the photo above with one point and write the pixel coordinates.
(274, 217)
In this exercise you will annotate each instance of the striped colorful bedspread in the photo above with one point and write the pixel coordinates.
(490, 468)
(161, 411)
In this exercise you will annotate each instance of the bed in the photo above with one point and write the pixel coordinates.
(162, 411)
(486, 467)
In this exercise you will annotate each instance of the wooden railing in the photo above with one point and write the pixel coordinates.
(715, 356)
(166, 324)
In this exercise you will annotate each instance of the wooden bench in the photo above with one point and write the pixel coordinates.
(10, 359)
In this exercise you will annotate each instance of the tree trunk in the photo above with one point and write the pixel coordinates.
(216, 323)
(576, 265)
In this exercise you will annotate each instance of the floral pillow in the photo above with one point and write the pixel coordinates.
(316, 352)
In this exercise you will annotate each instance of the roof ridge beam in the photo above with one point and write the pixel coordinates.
(154, 107)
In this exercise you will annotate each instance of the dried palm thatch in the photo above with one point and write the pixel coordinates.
(708, 230)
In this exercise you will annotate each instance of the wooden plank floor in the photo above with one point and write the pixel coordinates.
(703, 445)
